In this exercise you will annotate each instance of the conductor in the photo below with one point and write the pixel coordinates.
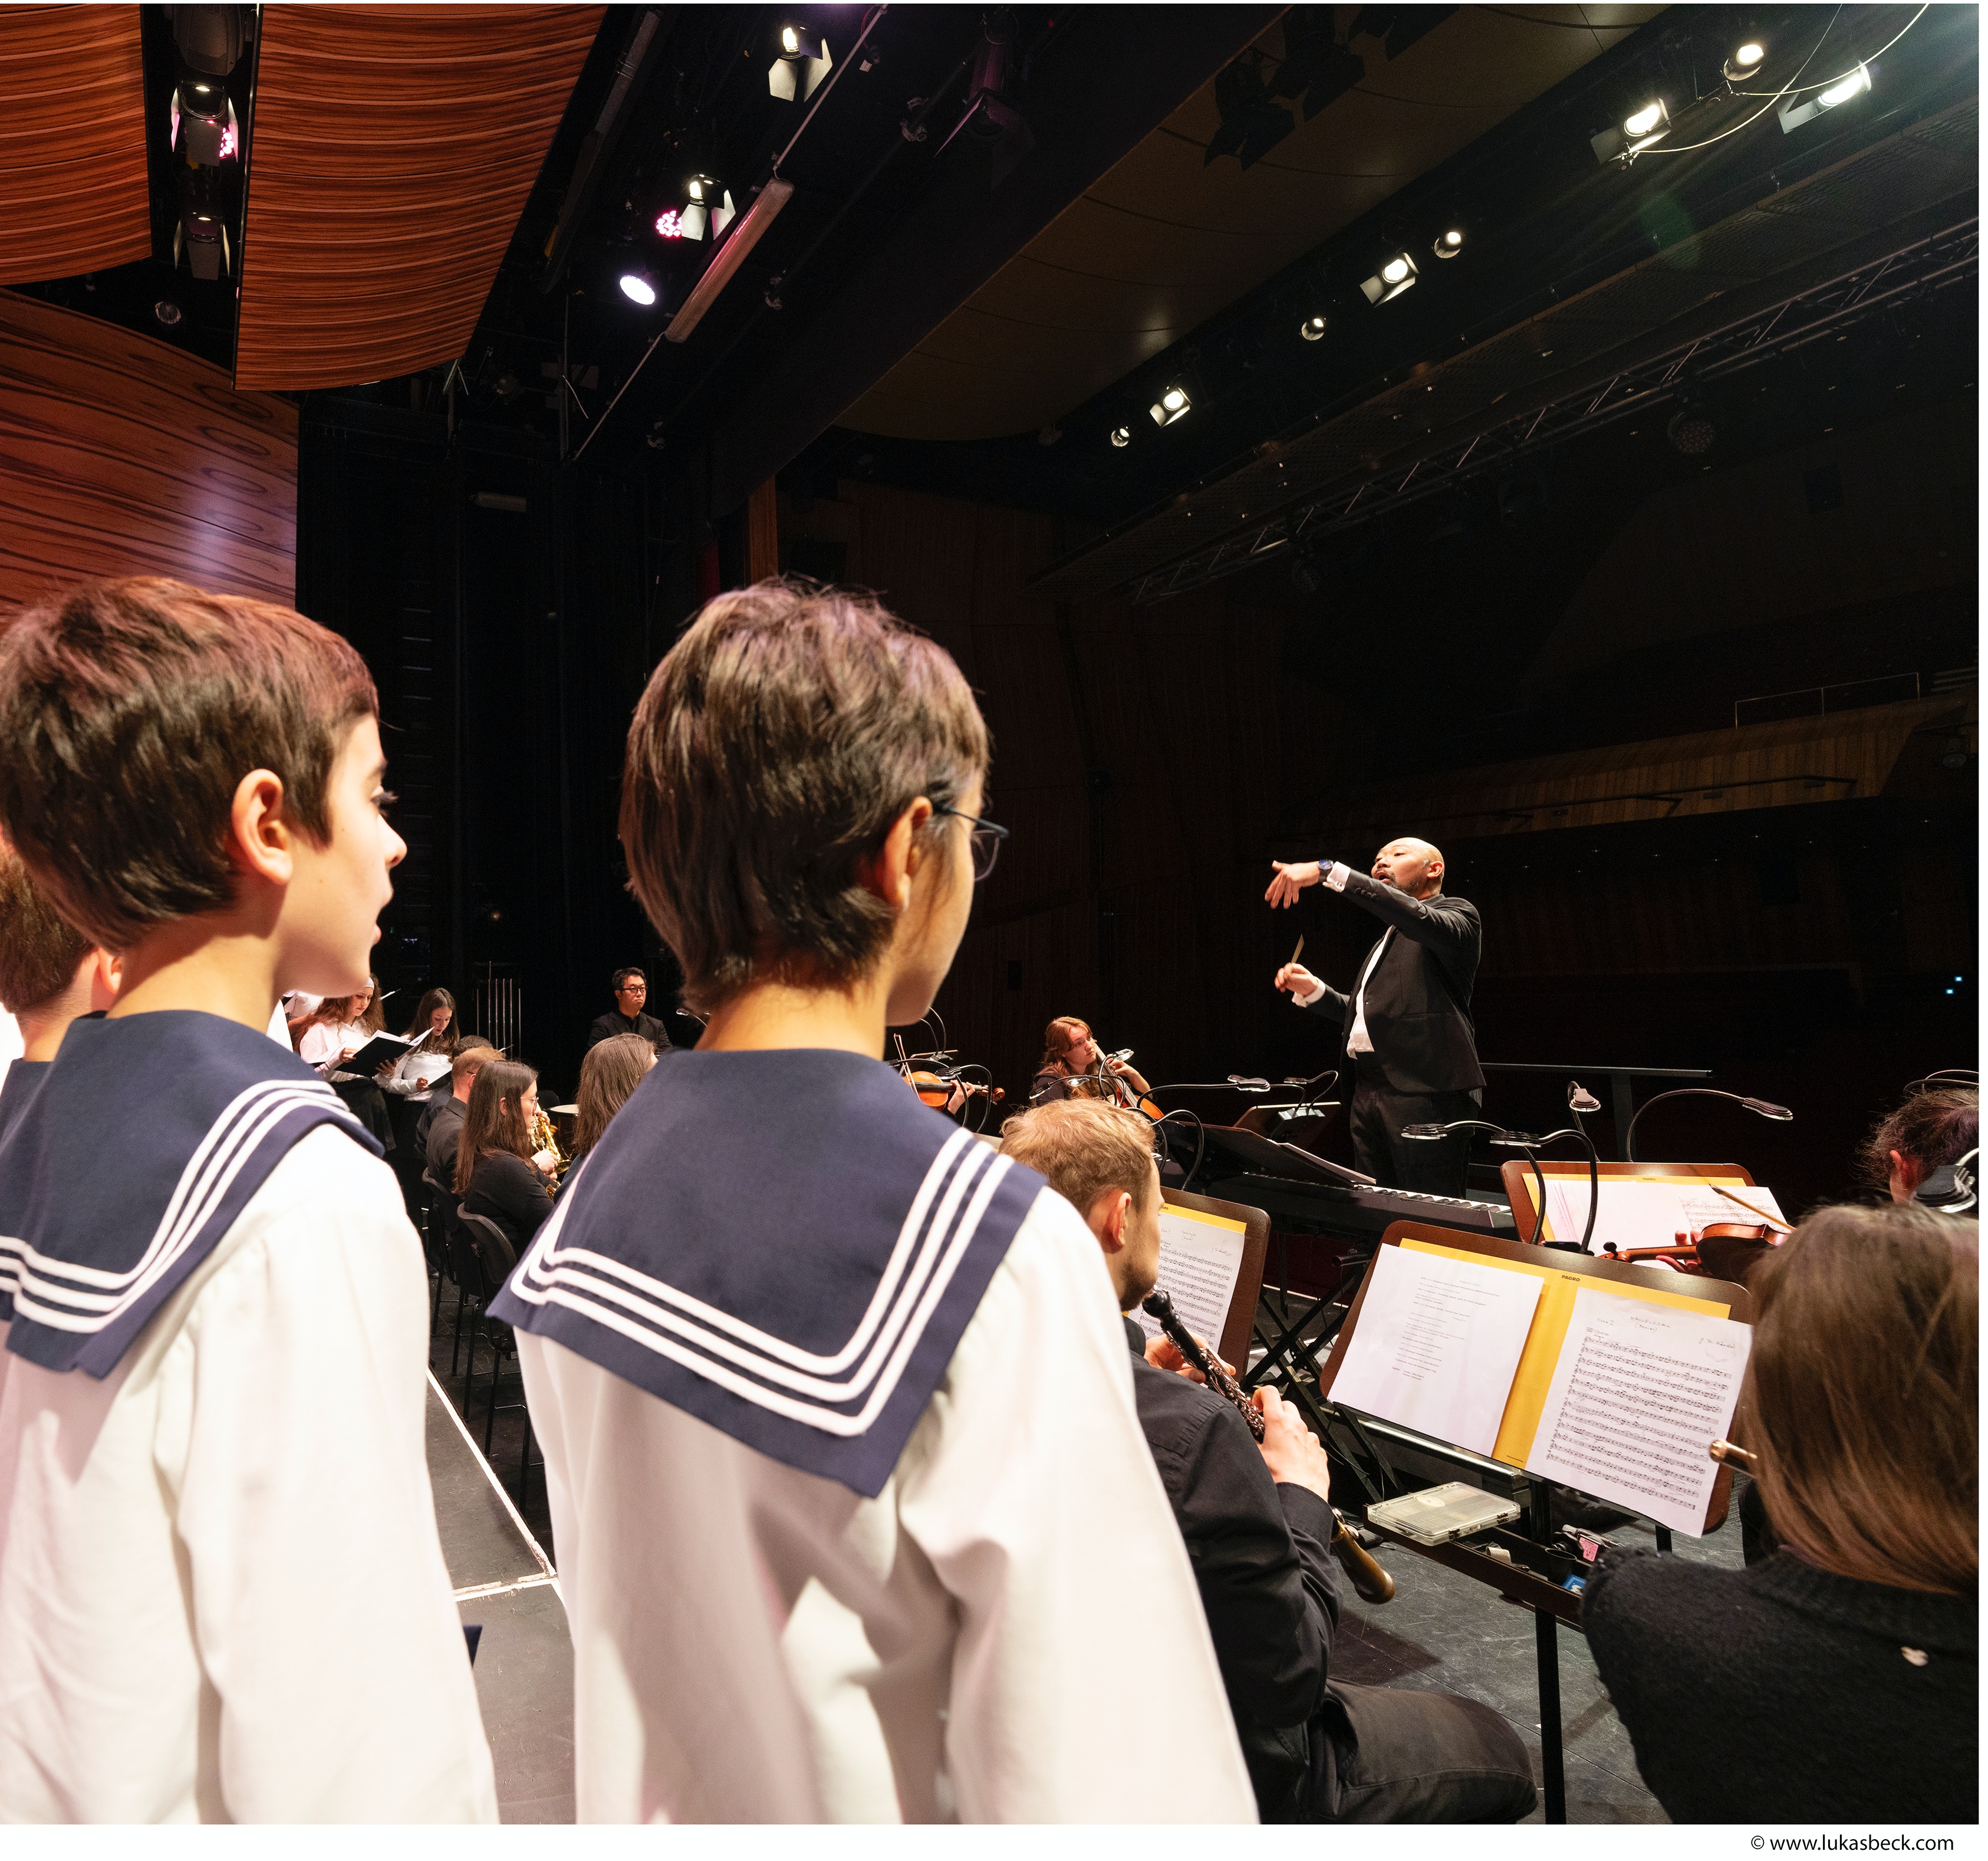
(1409, 1042)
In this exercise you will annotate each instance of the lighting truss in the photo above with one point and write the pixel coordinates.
(1949, 257)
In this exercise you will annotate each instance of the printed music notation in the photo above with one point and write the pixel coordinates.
(1200, 1256)
(1438, 1341)
(1639, 1392)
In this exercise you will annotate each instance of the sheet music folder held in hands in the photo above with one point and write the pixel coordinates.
(382, 1050)
(1611, 1380)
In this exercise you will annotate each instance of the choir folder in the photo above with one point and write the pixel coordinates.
(1610, 1379)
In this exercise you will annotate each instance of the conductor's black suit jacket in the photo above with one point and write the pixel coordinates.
(1419, 997)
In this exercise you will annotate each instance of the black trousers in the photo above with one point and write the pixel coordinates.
(1437, 1167)
(1407, 1756)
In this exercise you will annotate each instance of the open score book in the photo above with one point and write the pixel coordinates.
(1616, 1390)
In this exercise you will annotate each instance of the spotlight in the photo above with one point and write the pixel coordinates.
(1312, 329)
(802, 63)
(1745, 61)
(1692, 430)
(1121, 436)
(1647, 124)
(202, 123)
(1251, 125)
(166, 312)
(710, 211)
(1396, 275)
(1449, 243)
(1174, 404)
(639, 288)
(1853, 84)
(669, 223)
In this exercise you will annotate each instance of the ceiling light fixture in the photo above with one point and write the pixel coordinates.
(710, 211)
(1174, 404)
(1851, 84)
(1648, 123)
(638, 287)
(1396, 275)
(1745, 61)
(1121, 436)
(801, 63)
(1449, 243)
(1312, 329)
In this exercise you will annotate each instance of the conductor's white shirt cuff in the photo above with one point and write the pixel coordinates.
(1305, 1001)
(1335, 876)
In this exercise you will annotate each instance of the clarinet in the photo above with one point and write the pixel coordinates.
(1372, 1583)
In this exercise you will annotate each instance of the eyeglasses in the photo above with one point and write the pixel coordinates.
(985, 837)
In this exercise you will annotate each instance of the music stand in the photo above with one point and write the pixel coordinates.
(1521, 1190)
(1233, 1346)
(1531, 1571)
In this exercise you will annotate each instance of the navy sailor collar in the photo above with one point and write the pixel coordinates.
(785, 1244)
(138, 1147)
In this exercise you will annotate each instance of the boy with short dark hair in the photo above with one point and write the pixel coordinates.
(49, 974)
(222, 1597)
(853, 1516)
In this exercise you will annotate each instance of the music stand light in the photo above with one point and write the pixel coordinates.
(1759, 1107)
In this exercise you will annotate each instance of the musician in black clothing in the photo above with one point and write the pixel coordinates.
(497, 1174)
(631, 991)
(1257, 1524)
(1410, 1047)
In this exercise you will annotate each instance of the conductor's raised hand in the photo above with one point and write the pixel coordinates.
(1291, 879)
(1290, 1450)
(1296, 978)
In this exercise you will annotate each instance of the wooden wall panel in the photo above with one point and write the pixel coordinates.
(394, 148)
(73, 188)
(122, 456)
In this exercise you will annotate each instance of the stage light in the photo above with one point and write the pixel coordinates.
(639, 288)
(710, 211)
(1851, 84)
(1692, 430)
(166, 312)
(1449, 243)
(669, 223)
(1121, 436)
(1745, 61)
(1648, 123)
(1312, 329)
(1396, 275)
(801, 63)
(1175, 404)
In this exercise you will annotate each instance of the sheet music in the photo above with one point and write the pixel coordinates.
(1200, 1256)
(1644, 1212)
(1640, 1391)
(1437, 1346)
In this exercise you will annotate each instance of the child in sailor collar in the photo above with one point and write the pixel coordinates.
(851, 1498)
(222, 1596)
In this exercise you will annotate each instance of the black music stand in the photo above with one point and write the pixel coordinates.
(1531, 1570)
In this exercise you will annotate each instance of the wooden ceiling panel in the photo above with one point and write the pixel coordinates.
(122, 455)
(1165, 239)
(395, 148)
(73, 188)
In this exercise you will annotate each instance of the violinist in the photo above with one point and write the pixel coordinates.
(1072, 1066)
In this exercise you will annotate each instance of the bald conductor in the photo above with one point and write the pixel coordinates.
(1409, 1045)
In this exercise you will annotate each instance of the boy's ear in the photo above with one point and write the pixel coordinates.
(259, 838)
(887, 872)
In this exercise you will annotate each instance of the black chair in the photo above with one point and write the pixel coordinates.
(494, 1256)
(436, 1212)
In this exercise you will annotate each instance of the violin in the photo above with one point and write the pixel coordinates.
(936, 1090)
(1720, 1250)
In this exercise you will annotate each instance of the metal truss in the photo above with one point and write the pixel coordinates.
(1945, 257)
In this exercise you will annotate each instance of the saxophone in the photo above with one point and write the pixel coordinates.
(545, 1136)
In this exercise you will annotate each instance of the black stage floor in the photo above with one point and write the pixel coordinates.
(1441, 1631)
